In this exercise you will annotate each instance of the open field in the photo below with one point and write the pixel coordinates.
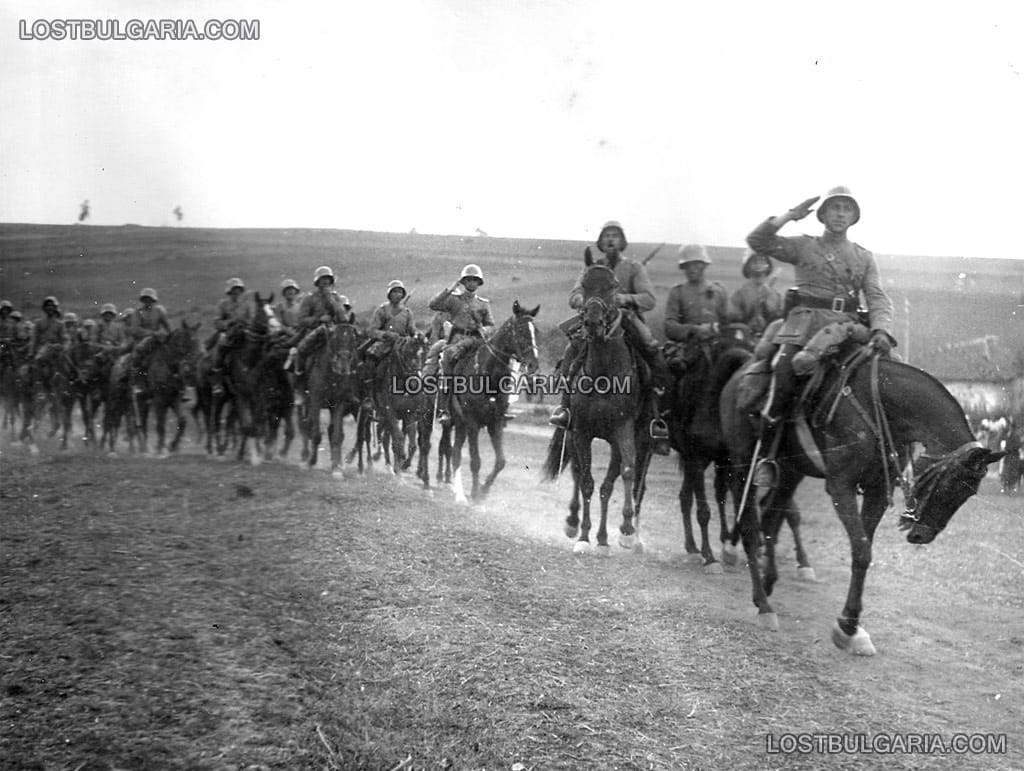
(183, 614)
(190, 614)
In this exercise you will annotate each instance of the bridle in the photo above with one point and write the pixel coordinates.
(611, 317)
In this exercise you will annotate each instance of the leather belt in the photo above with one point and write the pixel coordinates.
(842, 304)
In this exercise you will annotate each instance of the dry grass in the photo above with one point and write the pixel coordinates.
(155, 619)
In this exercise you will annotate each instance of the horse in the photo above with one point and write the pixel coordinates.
(405, 408)
(275, 402)
(89, 371)
(857, 431)
(12, 387)
(46, 382)
(602, 413)
(332, 383)
(164, 385)
(480, 396)
(243, 371)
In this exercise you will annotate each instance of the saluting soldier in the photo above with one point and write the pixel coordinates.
(832, 274)
(756, 304)
(471, 322)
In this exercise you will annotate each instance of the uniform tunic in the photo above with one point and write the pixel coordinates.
(386, 319)
(317, 304)
(49, 330)
(635, 289)
(690, 305)
(110, 334)
(143, 323)
(469, 313)
(230, 310)
(288, 313)
(826, 270)
(756, 305)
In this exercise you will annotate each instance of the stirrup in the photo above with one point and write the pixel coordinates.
(444, 418)
(766, 473)
(658, 429)
(560, 418)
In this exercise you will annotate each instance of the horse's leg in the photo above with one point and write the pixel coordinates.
(182, 424)
(572, 522)
(749, 531)
(336, 434)
(804, 570)
(289, 428)
(475, 461)
(722, 499)
(67, 406)
(581, 446)
(456, 464)
(685, 505)
(629, 534)
(496, 430)
(772, 513)
(313, 430)
(847, 633)
(699, 467)
(424, 436)
(604, 494)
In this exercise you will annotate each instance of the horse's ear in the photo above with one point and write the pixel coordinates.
(517, 309)
(270, 299)
(535, 311)
(588, 257)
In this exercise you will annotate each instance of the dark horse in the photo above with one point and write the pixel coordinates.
(484, 377)
(696, 433)
(865, 419)
(405, 408)
(15, 390)
(88, 374)
(598, 412)
(331, 383)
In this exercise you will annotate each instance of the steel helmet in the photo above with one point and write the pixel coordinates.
(693, 253)
(344, 301)
(838, 192)
(51, 300)
(396, 284)
(16, 314)
(6, 304)
(289, 283)
(608, 226)
(70, 318)
(233, 283)
(748, 259)
(89, 323)
(472, 271)
(322, 271)
(150, 293)
(108, 308)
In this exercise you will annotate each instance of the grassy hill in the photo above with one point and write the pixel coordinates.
(951, 299)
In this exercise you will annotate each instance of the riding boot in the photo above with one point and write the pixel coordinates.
(289, 363)
(780, 396)
(444, 412)
(561, 417)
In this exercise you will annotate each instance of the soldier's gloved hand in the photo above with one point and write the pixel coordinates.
(706, 331)
(391, 336)
(625, 301)
(882, 341)
(803, 208)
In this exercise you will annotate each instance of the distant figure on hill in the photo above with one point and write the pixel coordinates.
(179, 215)
(83, 214)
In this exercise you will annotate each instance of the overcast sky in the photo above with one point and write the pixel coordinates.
(687, 121)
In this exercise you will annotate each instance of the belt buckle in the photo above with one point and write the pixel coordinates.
(838, 304)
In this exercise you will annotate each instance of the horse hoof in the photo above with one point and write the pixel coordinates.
(627, 541)
(768, 621)
(111, 454)
(581, 547)
(33, 449)
(571, 532)
(713, 569)
(729, 556)
(695, 558)
(603, 550)
(461, 500)
(337, 474)
(859, 643)
(807, 575)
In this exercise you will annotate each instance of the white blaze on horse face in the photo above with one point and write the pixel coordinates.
(272, 320)
(533, 340)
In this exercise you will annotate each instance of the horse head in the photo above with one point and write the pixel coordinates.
(342, 345)
(601, 314)
(408, 352)
(941, 486)
(264, 320)
(521, 336)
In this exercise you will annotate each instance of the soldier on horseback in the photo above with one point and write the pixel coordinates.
(232, 311)
(696, 307)
(48, 331)
(471, 323)
(146, 326)
(287, 310)
(756, 304)
(440, 328)
(832, 274)
(390, 322)
(321, 306)
(8, 325)
(109, 334)
(636, 295)
(72, 326)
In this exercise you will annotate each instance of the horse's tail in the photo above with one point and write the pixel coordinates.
(555, 461)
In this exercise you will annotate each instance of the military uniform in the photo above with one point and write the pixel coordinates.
(288, 314)
(470, 316)
(144, 322)
(49, 330)
(691, 305)
(8, 328)
(756, 305)
(110, 334)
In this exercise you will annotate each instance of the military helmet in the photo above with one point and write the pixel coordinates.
(693, 253)
(50, 300)
(233, 283)
(344, 301)
(88, 323)
(6, 304)
(16, 314)
(838, 192)
(108, 308)
(608, 226)
(322, 271)
(748, 259)
(150, 293)
(472, 271)
(289, 283)
(70, 318)
(396, 284)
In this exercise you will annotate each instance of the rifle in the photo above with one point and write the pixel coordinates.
(650, 256)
